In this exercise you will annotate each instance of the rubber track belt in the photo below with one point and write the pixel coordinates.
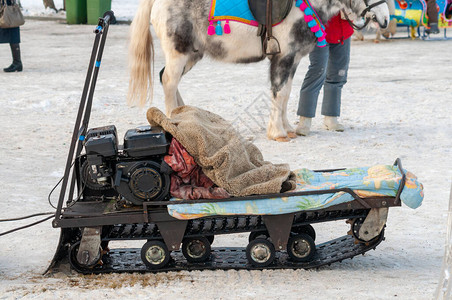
(128, 260)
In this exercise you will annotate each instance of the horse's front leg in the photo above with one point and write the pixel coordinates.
(279, 128)
(282, 71)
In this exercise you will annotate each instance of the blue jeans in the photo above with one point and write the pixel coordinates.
(328, 67)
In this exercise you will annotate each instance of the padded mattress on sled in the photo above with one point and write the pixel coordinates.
(379, 180)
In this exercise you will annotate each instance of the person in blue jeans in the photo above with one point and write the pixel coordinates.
(328, 68)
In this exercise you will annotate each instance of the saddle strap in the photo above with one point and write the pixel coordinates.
(269, 18)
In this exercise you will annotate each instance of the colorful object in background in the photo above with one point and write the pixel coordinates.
(238, 10)
(410, 12)
(445, 13)
(413, 13)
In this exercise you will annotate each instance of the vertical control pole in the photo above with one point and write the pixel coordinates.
(84, 111)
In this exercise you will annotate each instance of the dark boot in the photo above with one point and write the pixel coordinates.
(16, 66)
(433, 29)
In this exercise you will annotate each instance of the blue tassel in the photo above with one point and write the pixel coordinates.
(322, 43)
(298, 3)
(312, 23)
(318, 33)
(218, 29)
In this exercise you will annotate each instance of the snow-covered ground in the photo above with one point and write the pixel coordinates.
(396, 104)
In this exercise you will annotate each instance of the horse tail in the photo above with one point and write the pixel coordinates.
(141, 55)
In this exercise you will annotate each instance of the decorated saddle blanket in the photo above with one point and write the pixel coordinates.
(232, 10)
(239, 11)
(379, 180)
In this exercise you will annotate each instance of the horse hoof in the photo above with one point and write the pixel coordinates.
(292, 135)
(283, 139)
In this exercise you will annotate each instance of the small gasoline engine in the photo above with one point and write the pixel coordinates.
(136, 171)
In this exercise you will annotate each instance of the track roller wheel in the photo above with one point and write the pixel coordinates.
(196, 249)
(356, 226)
(260, 252)
(308, 229)
(301, 247)
(263, 234)
(73, 251)
(155, 254)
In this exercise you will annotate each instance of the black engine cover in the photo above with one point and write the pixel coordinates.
(141, 181)
(145, 141)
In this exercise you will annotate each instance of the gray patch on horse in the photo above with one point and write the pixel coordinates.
(216, 49)
(194, 58)
(180, 30)
(249, 60)
(183, 37)
(280, 70)
(302, 37)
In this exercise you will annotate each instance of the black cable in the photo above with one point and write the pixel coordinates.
(35, 215)
(26, 226)
(26, 217)
(50, 194)
(58, 183)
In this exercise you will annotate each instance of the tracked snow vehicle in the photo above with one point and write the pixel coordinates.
(120, 192)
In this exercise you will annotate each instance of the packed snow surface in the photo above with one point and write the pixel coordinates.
(396, 104)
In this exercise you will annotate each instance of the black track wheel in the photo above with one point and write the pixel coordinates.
(155, 254)
(308, 229)
(73, 251)
(301, 247)
(356, 226)
(260, 252)
(196, 249)
(210, 238)
(263, 234)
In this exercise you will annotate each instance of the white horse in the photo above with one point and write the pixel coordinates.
(387, 32)
(182, 29)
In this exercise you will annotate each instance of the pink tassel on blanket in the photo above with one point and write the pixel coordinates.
(227, 29)
(211, 29)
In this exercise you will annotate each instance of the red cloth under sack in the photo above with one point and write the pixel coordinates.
(188, 180)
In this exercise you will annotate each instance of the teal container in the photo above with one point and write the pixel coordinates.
(76, 11)
(96, 9)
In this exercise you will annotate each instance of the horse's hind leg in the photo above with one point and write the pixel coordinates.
(191, 62)
(180, 101)
(171, 77)
(172, 74)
